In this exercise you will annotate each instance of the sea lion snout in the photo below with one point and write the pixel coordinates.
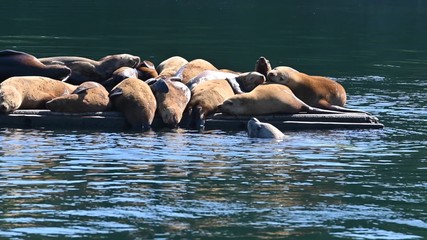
(272, 75)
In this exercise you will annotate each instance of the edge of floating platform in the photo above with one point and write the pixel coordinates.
(46, 119)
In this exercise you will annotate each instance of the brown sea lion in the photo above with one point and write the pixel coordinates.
(88, 97)
(193, 68)
(315, 91)
(136, 100)
(146, 70)
(170, 66)
(207, 95)
(118, 76)
(171, 105)
(258, 129)
(85, 69)
(30, 92)
(269, 98)
(263, 66)
(15, 63)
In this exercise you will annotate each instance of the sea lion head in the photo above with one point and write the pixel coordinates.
(281, 74)
(257, 129)
(10, 99)
(110, 63)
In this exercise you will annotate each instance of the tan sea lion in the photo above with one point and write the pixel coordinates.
(15, 63)
(170, 66)
(30, 92)
(207, 95)
(136, 100)
(193, 68)
(88, 97)
(257, 129)
(269, 98)
(171, 105)
(85, 69)
(315, 91)
(263, 66)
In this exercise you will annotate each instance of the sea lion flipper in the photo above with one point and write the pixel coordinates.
(234, 85)
(160, 86)
(116, 92)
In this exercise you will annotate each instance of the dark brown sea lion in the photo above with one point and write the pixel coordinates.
(193, 68)
(170, 66)
(263, 66)
(88, 97)
(15, 63)
(30, 92)
(136, 100)
(85, 69)
(258, 129)
(315, 91)
(171, 105)
(269, 98)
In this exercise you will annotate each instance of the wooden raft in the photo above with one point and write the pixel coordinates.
(45, 119)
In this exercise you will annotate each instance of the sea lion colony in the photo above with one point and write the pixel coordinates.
(179, 92)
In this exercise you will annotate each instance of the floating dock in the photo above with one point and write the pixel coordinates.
(45, 119)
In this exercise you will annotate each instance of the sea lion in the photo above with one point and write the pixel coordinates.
(207, 95)
(315, 91)
(170, 66)
(257, 129)
(86, 69)
(30, 92)
(208, 75)
(193, 68)
(263, 66)
(88, 97)
(136, 100)
(171, 105)
(146, 70)
(268, 98)
(15, 63)
(119, 75)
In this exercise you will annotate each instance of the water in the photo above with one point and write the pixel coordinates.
(335, 184)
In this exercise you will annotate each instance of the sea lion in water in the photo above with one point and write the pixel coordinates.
(88, 97)
(15, 63)
(315, 91)
(193, 68)
(257, 129)
(207, 95)
(268, 98)
(30, 92)
(171, 105)
(263, 66)
(170, 66)
(85, 69)
(136, 100)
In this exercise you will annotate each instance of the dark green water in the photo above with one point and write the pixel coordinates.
(337, 184)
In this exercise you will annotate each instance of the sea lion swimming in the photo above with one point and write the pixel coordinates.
(257, 129)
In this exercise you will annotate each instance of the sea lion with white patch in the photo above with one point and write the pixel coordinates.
(88, 97)
(86, 69)
(30, 92)
(207, 95)
(258, 129)
(271, 98)
(15, 63)
(193, 68)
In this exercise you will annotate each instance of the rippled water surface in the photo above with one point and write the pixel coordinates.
(174, 184)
